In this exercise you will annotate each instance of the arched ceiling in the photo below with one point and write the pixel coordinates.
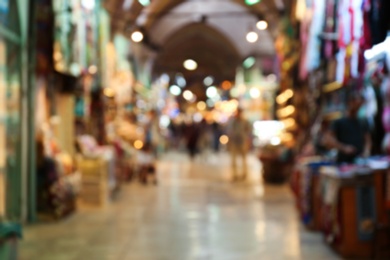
(227, 17)
(217, 43)
(126, 12)
(214, 53)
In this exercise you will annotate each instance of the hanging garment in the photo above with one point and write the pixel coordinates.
(330, 46)
(314, 44)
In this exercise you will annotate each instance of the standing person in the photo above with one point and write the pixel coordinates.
(351, 135)
(238, 131)
(150, 149)
(216, 131)
(192, 138)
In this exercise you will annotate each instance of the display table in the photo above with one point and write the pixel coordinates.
(277, 164)
(307, 189)
(351, 205)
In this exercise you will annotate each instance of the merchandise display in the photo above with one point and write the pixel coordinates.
(97, 168)
(344, 51)
(58, 181)
(346, 203)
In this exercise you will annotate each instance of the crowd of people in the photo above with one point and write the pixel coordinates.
(201, 139)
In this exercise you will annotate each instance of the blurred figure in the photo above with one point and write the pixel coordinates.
(322, 137)
(217, 133)
(351, 135)
(151, 148)
(238, 131)
(192, 135)
(205, 139)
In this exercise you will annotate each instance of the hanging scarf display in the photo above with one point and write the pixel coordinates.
(314, 44)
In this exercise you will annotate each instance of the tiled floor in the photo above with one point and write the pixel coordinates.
(194, 213)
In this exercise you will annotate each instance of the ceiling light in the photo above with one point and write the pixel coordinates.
(175, 90)
(201, 105)
(188, 95)
(271, 78)
(226, 85)
(92, 69)
(165, 78)
(165, 121)
(210, 103)
(254, 93)
(190, 64)
(144, 2)
(208, 81)
(249, 62)
(224, 139)
(211, 92)
(137, 36)
(252, 37)
(252, 2)
(262, 25)
(138, 144)
(88, 4)
(181, 81)
(109, 92)
(198, 117)
(234, 92)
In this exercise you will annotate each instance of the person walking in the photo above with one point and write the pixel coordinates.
(238, 131)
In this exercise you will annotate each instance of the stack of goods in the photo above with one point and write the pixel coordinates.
(57, 184)
(97, 167)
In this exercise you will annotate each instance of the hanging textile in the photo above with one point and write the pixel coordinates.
(314, 44)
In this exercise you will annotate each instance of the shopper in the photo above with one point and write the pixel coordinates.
(350, 134)
(150, 150)
(238, 130)
(192, 138)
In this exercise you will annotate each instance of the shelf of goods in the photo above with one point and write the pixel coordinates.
(95, 184)
(98, 172)
(349, 204)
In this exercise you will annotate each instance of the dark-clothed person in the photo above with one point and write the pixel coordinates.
(351, 134)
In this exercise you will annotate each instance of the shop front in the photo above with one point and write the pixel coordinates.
(344, 54)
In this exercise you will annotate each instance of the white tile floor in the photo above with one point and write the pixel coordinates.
(194, 213)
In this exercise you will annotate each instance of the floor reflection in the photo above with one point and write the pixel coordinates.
(194, 213)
